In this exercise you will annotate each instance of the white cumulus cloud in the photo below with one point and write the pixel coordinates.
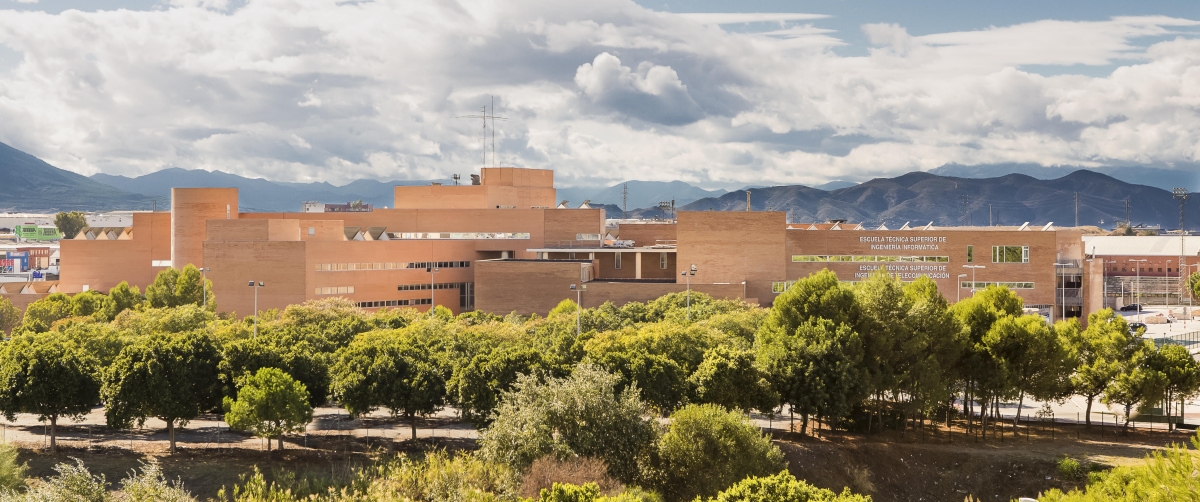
(600, 91)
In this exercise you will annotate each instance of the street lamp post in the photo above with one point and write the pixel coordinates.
(433, 270)
(973, 269)
(204, 286)
(256, 285)
(960, 277)
(1062, 306)
(578, 307)
(1138, 269)
(1168, 290)
(687, 275)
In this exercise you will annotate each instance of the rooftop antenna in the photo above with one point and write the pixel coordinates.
(485, 116)
(455, 177)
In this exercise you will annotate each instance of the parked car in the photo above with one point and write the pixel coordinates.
(1136, 327)
(1132, 307)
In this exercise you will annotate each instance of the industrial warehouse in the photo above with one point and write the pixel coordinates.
(503, 244)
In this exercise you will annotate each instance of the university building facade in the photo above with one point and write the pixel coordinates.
(503, 245)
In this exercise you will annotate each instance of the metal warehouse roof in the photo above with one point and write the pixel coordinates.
(1162, 245)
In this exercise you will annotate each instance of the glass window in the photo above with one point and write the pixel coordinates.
(662, 261)
(970, 254)
(1010, 254)
(617, 260)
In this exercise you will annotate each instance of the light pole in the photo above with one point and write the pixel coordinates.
(973, 283)
(578, 307)
(960, 277)
(1168, 290)
(1138, 268)
(256, 285)
(1062, 288)
(204, 286)
(432, 269)
(687, 275)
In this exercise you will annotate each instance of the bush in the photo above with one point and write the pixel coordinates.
(1069, 468)
(580, 415)
(72, 484)
(708, 448)
(549, 471)
(782, 487)
(1166, 475)
(590, 492)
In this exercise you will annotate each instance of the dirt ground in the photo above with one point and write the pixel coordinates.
(912, 466)
(916, 467)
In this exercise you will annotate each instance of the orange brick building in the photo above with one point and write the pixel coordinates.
(502, 245)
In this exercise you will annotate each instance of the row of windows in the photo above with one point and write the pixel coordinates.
(340, 290)
(868, 258)
(662, 260)
(394, 265)
(440, 285)
(1009, 285)
(1144, 269)
(458, 235)
(395, 303)
(1003, 254)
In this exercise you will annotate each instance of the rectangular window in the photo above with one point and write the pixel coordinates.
(617, 260)
(1009, 285)
(779, 287)
(970, 254)
(1010, 254)
(312, 231)
(662, 261)
(868, 258)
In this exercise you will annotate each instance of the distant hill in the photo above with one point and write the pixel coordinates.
(1165, 179)
(257, 194)
(642, 194)
(921, 197)
(29, 184)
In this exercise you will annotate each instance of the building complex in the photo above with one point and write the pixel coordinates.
(503, 244)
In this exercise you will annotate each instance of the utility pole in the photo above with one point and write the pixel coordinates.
(747, 201)
(991, 222)
(1128, 220)
(1077, 209)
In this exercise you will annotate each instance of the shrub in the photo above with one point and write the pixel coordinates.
(708, 448)
(549, 471)
(782, 487)
(1069, 468)
(72, 484)
(590, 492)
(580, 415)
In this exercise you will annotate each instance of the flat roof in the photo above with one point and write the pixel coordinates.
(602, 250)
(1141, 245)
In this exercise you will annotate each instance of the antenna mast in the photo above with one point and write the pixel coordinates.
(485, 116)
(1181, 194)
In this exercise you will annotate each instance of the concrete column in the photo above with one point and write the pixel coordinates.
(637, 265)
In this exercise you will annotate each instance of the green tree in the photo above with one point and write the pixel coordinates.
(478, 385)
(47, 376)
(1031, 358)
(70, 223)
(580, 415)
(817, 369)
(1098, 350)
(172, 288)
(1137, 381)
(125, 297)
(818, 296)
(1182, 372)
(982, 377)
(93, 304)
(1194, 285)
(707, 448)
(171, 377)
(270, 404)
(728, 377)
(662, 381)
(10, 316)
(378, 370)
(782, 487)
(42, 314)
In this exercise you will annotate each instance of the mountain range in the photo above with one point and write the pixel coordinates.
(922, 197)
(27, 184)
(948, 195)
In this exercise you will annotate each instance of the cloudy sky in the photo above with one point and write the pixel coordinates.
(719, 94)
